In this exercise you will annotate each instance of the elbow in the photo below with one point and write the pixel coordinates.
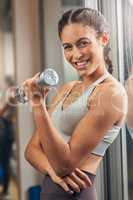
(27, 153)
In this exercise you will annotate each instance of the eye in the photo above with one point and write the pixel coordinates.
(82, 44)
(67, 47)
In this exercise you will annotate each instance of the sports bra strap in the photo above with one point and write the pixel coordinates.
(101, 79)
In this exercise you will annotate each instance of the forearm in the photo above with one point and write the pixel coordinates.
(36, 157)
(56, 149)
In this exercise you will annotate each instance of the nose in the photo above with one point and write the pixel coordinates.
(76, 53)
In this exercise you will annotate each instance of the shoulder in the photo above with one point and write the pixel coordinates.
(113, 88)
(110, 98)
(110, 88)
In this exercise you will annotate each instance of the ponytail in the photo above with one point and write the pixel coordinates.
(107, 59)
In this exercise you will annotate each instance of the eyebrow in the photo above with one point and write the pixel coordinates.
(79, 40)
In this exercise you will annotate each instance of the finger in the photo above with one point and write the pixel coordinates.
(30, 85)
(46, 91)
(65, 186)
(36, 76)
(83, 176)
(26, 82)
(25, 91)
(72, 184)
(82, 184)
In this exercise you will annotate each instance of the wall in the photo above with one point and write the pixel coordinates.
(8, 54)
(53, 54)
(27, 62)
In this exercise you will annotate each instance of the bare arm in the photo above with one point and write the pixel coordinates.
(34, 152)
(36, 157)
(107, 111)
(88, 133)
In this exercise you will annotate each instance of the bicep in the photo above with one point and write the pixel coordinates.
(95, 124)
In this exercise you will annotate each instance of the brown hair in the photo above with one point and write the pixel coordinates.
(92, 18)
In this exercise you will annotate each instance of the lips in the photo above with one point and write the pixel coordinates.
(81, 64)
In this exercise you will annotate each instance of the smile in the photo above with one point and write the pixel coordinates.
(82, 64)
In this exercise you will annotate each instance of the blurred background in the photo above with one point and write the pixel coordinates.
(29, 43)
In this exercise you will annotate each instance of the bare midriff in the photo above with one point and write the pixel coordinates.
(91, 164)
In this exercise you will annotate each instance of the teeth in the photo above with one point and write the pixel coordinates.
(81, 63)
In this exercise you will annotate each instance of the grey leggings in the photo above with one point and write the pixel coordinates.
(52, 191)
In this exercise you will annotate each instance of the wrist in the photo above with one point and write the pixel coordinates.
(51, 173)
(36, 101)
(38, 110)
(39, 97)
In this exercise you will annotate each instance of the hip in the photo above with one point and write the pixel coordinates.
(53, 191)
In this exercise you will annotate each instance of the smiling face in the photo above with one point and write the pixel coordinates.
(82, 49)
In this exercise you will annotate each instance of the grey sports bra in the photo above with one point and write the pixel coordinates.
(66, 120)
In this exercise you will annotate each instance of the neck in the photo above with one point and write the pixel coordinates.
(88, 79)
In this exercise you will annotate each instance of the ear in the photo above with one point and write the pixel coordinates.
(104, 39)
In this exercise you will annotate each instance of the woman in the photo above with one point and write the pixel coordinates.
(84, 118)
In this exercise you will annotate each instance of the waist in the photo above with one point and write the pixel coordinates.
(91, 164)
